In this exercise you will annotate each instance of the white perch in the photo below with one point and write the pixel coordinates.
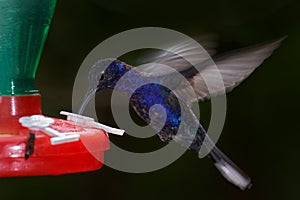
(90, 122)
(40, 122)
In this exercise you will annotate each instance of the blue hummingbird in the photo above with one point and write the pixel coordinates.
(234, 67)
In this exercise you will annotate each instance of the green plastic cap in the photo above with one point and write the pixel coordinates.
(24, 25)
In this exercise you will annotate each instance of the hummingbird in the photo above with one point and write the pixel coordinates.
(234, 67)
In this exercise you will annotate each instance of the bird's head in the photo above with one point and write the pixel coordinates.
(111, 75)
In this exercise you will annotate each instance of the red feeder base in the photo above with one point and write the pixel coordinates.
(30, 152)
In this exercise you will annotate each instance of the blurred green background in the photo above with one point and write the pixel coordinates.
(261, 130)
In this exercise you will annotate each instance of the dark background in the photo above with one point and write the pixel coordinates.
(261, 130)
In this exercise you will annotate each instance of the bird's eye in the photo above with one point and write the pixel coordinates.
(102, 76)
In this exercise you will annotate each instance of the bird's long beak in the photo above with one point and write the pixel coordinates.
(87, 98)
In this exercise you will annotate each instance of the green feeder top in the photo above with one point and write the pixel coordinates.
(24, 26)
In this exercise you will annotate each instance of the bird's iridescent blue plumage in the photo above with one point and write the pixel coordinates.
(152, 94)
(145, 92)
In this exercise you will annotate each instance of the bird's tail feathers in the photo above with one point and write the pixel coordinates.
(229, 169)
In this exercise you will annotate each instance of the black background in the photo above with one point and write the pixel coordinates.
(261, 131)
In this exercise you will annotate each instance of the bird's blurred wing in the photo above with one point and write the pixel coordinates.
(234, 67)
(179, 56)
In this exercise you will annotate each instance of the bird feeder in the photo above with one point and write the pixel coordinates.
(30, 143)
